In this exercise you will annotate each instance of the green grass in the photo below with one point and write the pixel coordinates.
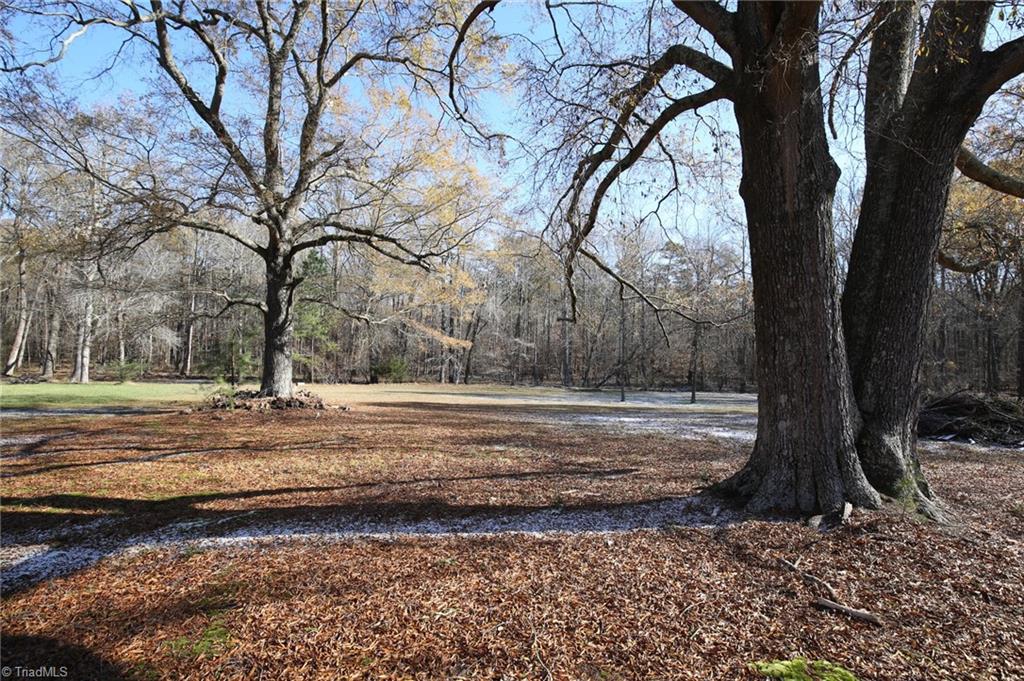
(49, 395)
(109, 394)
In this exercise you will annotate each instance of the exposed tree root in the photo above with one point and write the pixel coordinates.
(770, 482)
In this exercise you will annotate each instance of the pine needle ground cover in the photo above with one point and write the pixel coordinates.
(457, 542)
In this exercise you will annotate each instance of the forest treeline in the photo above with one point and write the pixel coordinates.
(492, 313)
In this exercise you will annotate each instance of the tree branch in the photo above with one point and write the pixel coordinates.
(480, 8)
(713, 18)
(976, 169)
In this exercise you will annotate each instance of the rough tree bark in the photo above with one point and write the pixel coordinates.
(917, 114)
(277, 327)
(804, 457)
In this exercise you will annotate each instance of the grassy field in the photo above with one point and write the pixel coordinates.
(61, 395)
(155, 394)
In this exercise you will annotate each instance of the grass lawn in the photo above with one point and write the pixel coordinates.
(51, 395)
(103, 394)
(466, 541)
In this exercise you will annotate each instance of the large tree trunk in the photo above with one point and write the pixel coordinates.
(277, 329)
(19, 332)
(917, 115)
(884, 306)
(804, 457)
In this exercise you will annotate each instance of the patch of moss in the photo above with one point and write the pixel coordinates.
(214, 640)
(143, 671)
(802, 669)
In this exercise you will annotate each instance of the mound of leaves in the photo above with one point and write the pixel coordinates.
(974, 418)
(252, 400)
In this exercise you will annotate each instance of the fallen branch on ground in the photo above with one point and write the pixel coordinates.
(851, 612)
(811, 579)
(831, 603)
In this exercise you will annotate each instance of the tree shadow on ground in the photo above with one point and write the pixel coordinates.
(129, 523)
(38, 656)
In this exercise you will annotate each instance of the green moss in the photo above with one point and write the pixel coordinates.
(143, 671)
(802, 669)
(214, 640)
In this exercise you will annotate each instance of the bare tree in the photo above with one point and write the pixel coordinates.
(311, 170)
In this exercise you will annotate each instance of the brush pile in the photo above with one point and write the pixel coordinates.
(973, 418)
(251, 400)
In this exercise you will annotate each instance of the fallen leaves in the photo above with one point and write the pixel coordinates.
(678, 602)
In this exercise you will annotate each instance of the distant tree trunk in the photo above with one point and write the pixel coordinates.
(516, 340)
(277, 328)
(122, 350)
(1020, 334)
(622, 344)
(804, 457)
(83, 346)
(474, 331)
(190, 330)
(566, 342)
(991, 356)
(52, 333)
(694, 355)
(19, 331)
(23, 346)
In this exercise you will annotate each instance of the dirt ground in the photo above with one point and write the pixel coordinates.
(477, 541)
